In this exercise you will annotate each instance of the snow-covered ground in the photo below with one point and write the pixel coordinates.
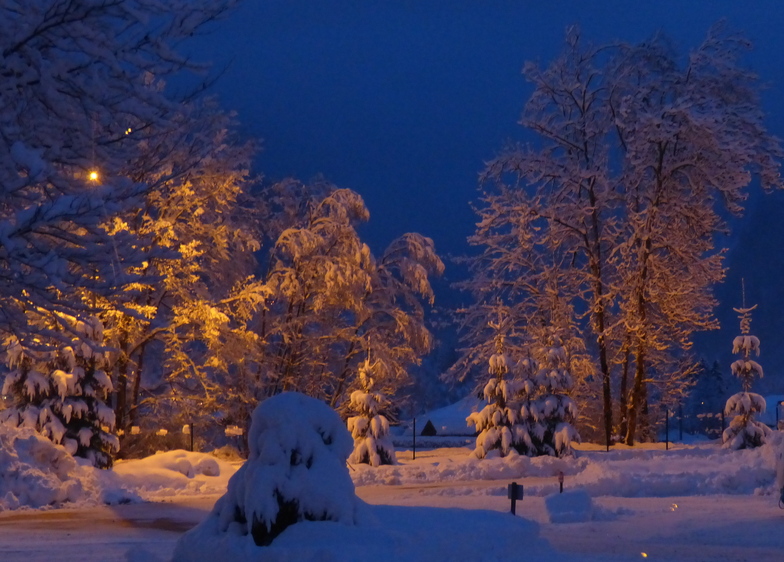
(694, 502)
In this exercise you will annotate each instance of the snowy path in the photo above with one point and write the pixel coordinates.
(715, 528)
(135, 532)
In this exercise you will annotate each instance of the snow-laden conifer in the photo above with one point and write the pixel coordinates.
(744, 431)
(498, 422)
(551, 413)
(369, 428)
(61, 391)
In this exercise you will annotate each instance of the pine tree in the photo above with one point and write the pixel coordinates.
(61, 390)
(744, 432)
(369, 428)
(498, 422)
(551, 416)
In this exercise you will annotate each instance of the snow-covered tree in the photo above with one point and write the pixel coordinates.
(638, 155)
(89, 136)
(550, 413)
(296, 471)
(498, 422)
(61, 390)
(329, 294)
(744, 431)
(369, 428)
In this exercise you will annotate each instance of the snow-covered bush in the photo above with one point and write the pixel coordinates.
(497, 423)
(296, 471)
(370, 430)
(61, 392)
(744, 431)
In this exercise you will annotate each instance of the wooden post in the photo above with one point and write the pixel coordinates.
(414, 434)
(666, 428)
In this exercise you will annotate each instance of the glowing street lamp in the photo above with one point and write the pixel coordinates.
(94, 175)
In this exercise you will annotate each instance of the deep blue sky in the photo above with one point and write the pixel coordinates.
(403, 101)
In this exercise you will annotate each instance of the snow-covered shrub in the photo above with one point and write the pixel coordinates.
(370, 430)
(296, 471)
(62, 391)
(497, 423)
(744, 431)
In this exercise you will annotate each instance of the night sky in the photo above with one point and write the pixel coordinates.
(403, 101)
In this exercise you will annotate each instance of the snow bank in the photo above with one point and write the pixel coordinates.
(174, 473)
(570, 507)
(35, 473)
(699, 469)
(464, 468)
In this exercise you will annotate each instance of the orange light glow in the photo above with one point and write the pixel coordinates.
(94, 176)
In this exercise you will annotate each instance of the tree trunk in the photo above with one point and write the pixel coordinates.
(122, 387)
(624, 394)
(646, 436)
(636, 398)
(137, 385)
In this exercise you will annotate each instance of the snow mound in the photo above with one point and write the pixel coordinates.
(391, 534)
(574, 506)
(296, 472)
(174, 473)
(36, 473)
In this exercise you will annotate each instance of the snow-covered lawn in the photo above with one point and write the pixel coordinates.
(696, 502)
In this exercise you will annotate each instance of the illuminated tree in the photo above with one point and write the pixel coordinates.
(369, 428)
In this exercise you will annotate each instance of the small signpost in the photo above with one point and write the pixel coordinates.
(514, 492)
(560, 480)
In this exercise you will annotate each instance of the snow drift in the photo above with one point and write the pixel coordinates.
(34, 472)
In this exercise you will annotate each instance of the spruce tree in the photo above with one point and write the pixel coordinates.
(744, 432)
(61, 390)
(553, 413)
(497, 423)
(369, 428)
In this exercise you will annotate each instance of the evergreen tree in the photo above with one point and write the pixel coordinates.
(61, 390)
(552, 414)
(498, 422)
(369, 428)
(744, 432)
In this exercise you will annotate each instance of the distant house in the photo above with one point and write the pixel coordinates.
(774, 411)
